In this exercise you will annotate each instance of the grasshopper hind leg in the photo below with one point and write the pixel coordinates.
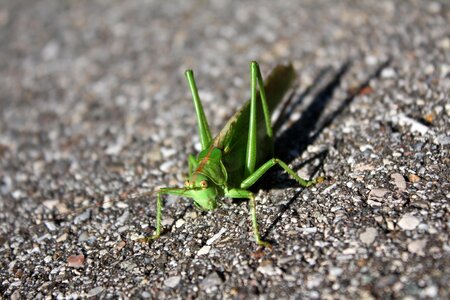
(203, 127)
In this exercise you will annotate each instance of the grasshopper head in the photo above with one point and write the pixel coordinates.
(203, 191)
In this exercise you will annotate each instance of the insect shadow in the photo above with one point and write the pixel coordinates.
(294, 140)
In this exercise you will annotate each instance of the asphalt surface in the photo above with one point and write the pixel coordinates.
(95, 109)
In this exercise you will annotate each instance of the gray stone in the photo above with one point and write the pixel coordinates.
(408, 222)
(172, 281)
(368, 236)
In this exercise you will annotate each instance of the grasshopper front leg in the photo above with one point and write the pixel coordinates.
(255, 176)
(242, 194)
(159, 205)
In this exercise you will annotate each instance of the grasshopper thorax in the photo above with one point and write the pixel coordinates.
(203, 191)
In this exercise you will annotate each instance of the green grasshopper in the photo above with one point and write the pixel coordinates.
(240, 154)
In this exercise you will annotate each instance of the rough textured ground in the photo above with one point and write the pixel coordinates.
(94, 108)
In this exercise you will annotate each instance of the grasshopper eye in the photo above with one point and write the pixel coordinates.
(204, 184)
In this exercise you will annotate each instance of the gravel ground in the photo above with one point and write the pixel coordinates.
(94, 109)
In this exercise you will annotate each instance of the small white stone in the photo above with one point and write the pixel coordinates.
(114, 149)
(371, 60)
(167, 221)
(50, 225)
(121, 204)
(216, 236)
(269, 269)
(62, 237)
(308, 229)
(399, 181)
(431, 291)
(417, 247)
(172, 281)
(335, 271)
(378, 194)
(408, 222)
(50, 204)
(95, 291)
(192, 215)
(168, 152)
(204, 250)
(388, 73)
(443, 140)
(368, 236)
(414, 125)
(211, 281)
(349, 251)
(50, 51)
(179, 223)
(166, 166)
(123, 218)
(363, 167)
(136, 237)
(373, 203)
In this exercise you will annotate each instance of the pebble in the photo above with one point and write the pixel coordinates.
(349, 251)
(95, 291)
(166, 166)
(82, 217)
(414, 125)
(368, 236)
(334, 271)
(363, 167)
(388, 73)
(192, 215)
(267, 268)
(172, 281)
(120, 245)
(121, 204)
(50, 204)
(123, 218)
(413, 178)
(62, 237)
(210, 281)
(314, 281)
(417, 246)
(167, 221)
(168, 152)
(376, 196)
(399, 181)
(50, 50)
(179, 223)
(216, 236)
(75, 261)
(442, 139)
(308, 229)
(128, 265)
(15, 295)
(84, 236)
(114, 149)
(431, 291)
(123, 228)
(204, 250)
(408, 222)
(50, 225)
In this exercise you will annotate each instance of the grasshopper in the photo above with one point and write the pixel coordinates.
(240, 154)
